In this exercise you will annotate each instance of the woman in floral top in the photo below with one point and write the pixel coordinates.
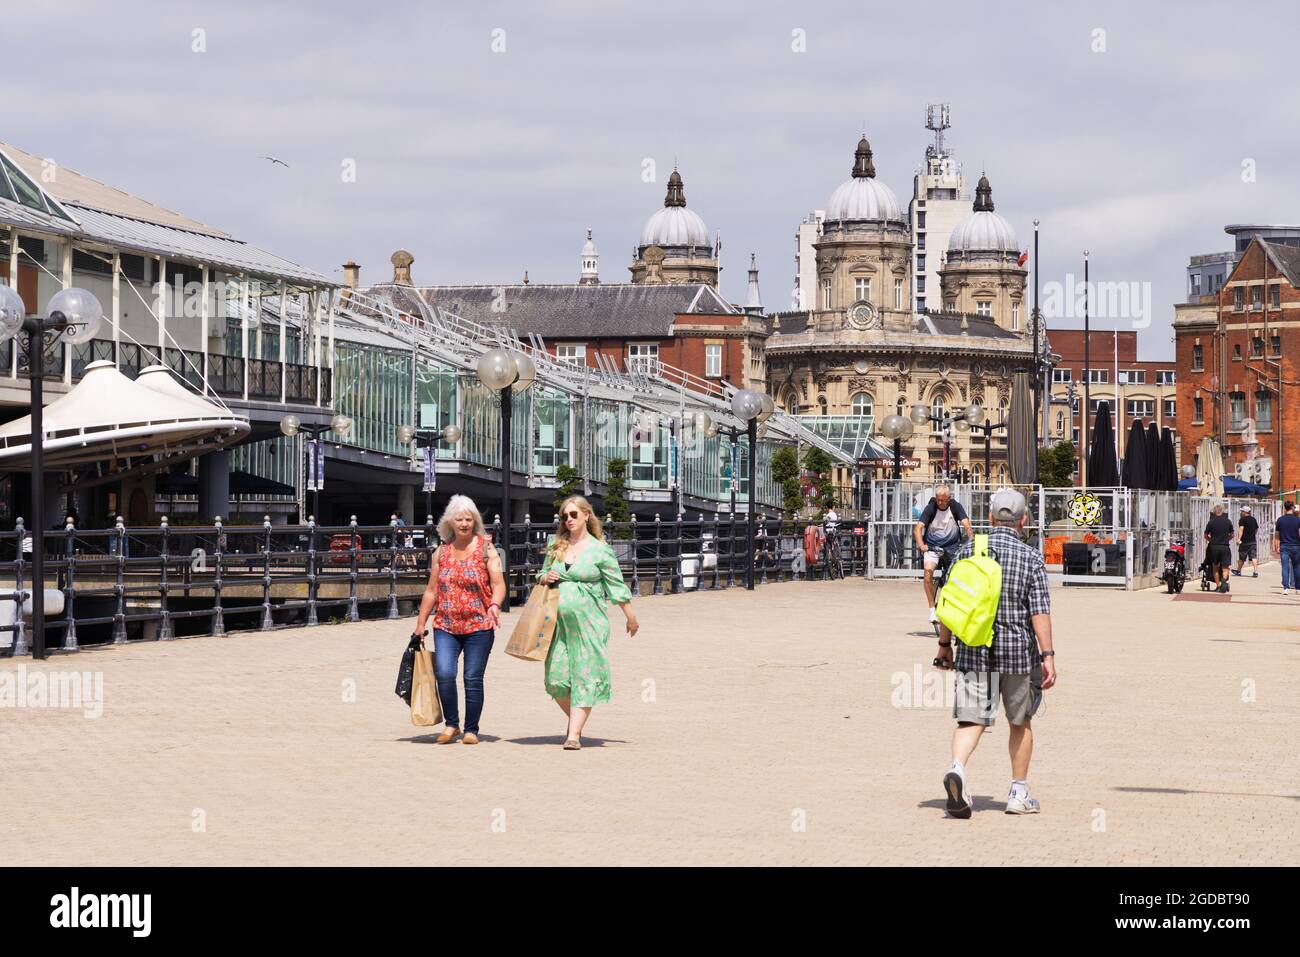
(583, 567)
(464, 593)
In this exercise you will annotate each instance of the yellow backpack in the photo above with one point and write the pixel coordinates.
(968, 603)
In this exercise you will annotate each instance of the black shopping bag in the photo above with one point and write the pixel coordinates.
(406, 670)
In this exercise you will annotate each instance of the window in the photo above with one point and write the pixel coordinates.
(920, 220)
(1275, 344)
(950, 305)
(1096, 403)
(1133, 376)
(1060, 423)
(826, 294)
(861, 289)
(1170, 408)
(898, 294)
(1098, 376)
(1164, 377)
(1257, 346)
(1236, 411)
(984, 308)
(1198, 409)
(920, 264)
(1236, 352)
(920, 303)
(1256, 297)
(1015, 317)
(1074, 435)
(1264, 411)
(1198, 358)
(1239, 299)
(920, 283)
(1060, 375)
(575, 355)
(936, 410)
(862, 404)
(1275, 296)
(920, 240)
(1195, 288)
(1141, 408)
(713, 361)
(643, 357)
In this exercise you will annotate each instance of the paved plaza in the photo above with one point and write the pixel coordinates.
(783, 726)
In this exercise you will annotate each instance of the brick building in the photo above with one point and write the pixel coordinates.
(1137, 389)
(1237, 361)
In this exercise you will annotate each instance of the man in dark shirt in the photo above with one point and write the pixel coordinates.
(1218, 535)
(1246, 541)
(1288, 541)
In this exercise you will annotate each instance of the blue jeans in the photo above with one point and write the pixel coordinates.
(446, 655)
(1290, 566)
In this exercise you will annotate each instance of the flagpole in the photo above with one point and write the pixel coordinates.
(1087, 375)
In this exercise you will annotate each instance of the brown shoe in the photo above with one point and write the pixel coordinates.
(447, 736)
(470, 738)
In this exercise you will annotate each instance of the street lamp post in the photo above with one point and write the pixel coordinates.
(428, 439)
(506, 373)
(752, 408)
(290, 426)
(899, 428)
(75, 315)
(961, 421)
(988, 429)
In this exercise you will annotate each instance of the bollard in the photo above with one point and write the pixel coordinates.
(69, 592)
(218, 616)
(658, 588)
(165, 632)
(22, 640)
(313, 577)
(353, 613)
(392, 570)
(267, 621)
(119, 588)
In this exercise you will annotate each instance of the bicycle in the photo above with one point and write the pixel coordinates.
(831, 553)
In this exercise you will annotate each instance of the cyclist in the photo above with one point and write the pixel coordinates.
(831, 547)
(939, 533)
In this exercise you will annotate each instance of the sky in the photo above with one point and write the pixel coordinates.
(486, 137)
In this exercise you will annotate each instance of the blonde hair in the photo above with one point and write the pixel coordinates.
(561, 542)
(457, 505)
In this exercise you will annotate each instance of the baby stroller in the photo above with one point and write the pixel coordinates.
(1175, 573)
(1207, 576)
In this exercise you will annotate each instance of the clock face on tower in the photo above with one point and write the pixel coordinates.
(862, 315)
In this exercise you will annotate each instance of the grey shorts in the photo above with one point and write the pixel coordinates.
(1246, 552)
(978, 693)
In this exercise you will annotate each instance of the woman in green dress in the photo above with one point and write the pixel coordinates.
(583, 567)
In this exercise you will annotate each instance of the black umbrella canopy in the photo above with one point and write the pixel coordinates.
(1136, 467)
(1153, 455)
(1168, 462)
(1102, 470)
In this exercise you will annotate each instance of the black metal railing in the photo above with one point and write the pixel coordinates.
(163, 582)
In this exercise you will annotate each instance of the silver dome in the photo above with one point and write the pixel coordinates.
(983, 232)
(862, 198)
(675, 226)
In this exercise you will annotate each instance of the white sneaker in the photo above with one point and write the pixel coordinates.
(1024, 805)
(959, 804)
(934, 618)
(1286, 591)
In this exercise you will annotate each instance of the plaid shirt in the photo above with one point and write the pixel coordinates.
(1024, 593)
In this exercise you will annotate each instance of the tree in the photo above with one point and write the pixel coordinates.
(785, 472)
(820, 465)
(570, 480)
(1056, 465)
(615, 500)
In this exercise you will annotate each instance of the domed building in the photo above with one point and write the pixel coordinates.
(675, 244)
(863, 352)
(982, 273)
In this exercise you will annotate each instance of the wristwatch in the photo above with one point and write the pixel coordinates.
(1047, 654)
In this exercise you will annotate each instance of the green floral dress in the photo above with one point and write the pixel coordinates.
(576, 665)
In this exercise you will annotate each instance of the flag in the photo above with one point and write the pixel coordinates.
(315, 465)
(430, 470)
(1023, 258)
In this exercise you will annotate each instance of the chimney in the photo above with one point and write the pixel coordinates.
(351, 275)
(401, 261)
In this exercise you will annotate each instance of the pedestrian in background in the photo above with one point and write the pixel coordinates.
(1288, 543)
(1247, 528)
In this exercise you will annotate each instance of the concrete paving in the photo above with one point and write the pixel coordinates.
(799, 724)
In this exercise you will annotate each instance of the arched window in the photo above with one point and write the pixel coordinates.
(1060, 423)
(862, 404)
(792, 404)
(902, 402)
(937, 411)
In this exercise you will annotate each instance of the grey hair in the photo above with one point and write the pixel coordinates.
(942, 488)
(1218, 509)
(457, 505)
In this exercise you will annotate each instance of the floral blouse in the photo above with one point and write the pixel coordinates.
(464, 592)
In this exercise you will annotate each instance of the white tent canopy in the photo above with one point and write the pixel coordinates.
(106, 418)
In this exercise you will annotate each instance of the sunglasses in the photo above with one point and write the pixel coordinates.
(573, 515)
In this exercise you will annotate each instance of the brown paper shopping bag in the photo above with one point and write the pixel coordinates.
(426, 709)
(532, 636)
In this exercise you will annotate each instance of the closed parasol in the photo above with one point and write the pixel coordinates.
(1102, 469)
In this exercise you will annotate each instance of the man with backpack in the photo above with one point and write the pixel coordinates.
(938, 535)
(1000, 602)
